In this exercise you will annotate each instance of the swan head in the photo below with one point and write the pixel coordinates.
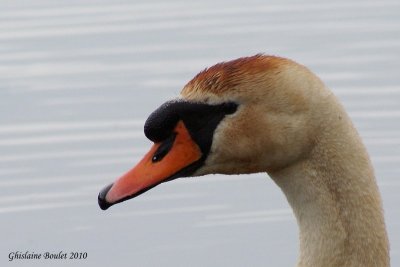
(248, 115)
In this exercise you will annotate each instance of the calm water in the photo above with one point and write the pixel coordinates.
(77, 81)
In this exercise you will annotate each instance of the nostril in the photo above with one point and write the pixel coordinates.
(164, 148)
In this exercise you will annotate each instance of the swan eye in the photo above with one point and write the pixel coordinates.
(230, 107)
(164, 148)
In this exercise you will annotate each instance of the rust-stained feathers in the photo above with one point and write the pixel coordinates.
(230, 75)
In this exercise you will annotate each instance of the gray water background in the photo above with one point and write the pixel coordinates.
(79, 78)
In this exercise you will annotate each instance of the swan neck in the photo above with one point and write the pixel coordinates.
(337, 204)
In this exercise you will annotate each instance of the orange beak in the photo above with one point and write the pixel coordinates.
(149, 172)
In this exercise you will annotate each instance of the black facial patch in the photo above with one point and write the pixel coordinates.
(200, 119)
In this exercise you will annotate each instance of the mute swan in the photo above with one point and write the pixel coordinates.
(270, 114)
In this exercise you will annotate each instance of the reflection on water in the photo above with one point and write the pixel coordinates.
(77, 81)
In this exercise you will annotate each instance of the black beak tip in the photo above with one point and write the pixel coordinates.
(102, 198)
